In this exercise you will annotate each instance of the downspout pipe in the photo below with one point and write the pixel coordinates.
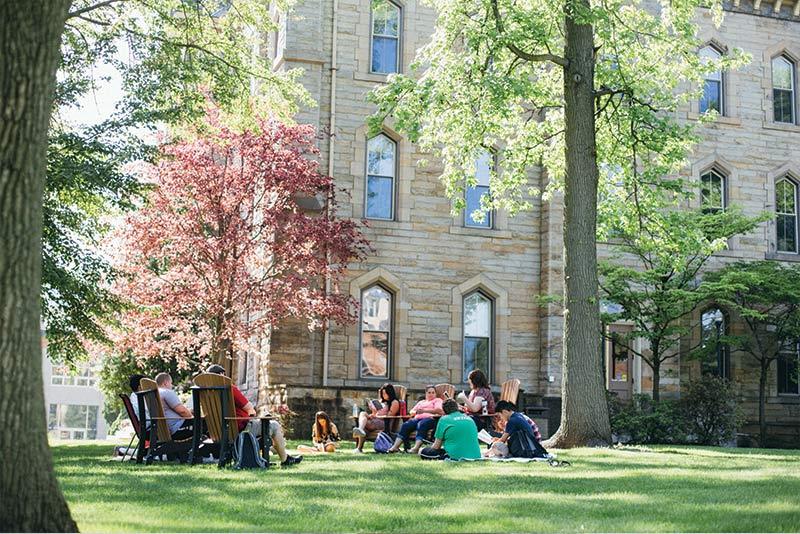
(326, 340)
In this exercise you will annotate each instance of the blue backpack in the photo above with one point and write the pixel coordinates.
(246, 452)
(383, 442)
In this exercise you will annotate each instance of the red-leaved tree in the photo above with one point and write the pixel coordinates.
(223, 249)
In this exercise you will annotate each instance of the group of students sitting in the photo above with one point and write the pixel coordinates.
(180, 418)
(456, 424)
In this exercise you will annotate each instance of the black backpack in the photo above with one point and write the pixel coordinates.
(246, 452)
(522, 444)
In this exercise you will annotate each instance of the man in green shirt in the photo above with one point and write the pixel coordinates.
(456, 436)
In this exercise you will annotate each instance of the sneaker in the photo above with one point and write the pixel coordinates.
(291, 460)
(358, 432)
(358, 451)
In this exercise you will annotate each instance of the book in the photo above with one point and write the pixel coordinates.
(485, 437)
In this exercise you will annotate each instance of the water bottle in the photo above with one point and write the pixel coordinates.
(484, 407)
(355, 410)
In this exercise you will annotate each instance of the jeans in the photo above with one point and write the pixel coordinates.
(422, 426)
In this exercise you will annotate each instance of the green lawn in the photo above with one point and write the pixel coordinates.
(646, 489)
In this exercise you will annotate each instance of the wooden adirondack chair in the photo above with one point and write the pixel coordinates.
(441, 389)
(161, 442)
(137, 432)
(509, 391)
(213, 396)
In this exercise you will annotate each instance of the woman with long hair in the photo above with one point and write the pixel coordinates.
(372, 422)
(479, 392)
(324, 435)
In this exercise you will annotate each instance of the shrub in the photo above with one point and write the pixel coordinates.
(645, 421)
(709, 405)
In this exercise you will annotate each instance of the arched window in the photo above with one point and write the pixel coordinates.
(786, 215)
(783, 95)
(713, 89)
(712, 191)
(381, 170)
(376, 332)
(385, 43)
(474, 194)
(478, 326)
(714, 325)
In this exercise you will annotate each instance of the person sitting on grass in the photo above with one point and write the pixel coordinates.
(372, 422)
(422, 420)
(518, 432)
(245, 410)
(324, 435)
(456, 436)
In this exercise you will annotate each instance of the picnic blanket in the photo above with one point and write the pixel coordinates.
(552, 461)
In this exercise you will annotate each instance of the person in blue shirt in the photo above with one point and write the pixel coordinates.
(517, 427)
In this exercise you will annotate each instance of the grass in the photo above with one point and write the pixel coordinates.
(609, 490)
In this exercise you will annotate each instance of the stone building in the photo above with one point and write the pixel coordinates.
(443, 294)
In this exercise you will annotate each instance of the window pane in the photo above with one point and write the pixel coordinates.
(376, 304)
(787, 375)
(374, 353)
(57, 380)
(711, 97)
(476, 355)
(783, 105)
(782, 73)
(385, 18)
(477, 316)
(619, 363)
(384, 54)
(52, 417)
(379, 197)
(483, 167)
(74, 416)
(380, 156)
(712, 192)
(91, 420)
(786, 230)
(785, 197)
(473, 197)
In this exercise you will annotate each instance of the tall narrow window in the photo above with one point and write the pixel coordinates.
(786, 215)
(783, 89)
(477, 333)
(385, 37)
(788, 380)
(376, 332)
(713, 326)
(474, 194)
(712, 192)
(712, 98)
(381, 167)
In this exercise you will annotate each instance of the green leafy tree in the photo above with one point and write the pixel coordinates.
(765, 295)
(176, 47)
(568, 85)
(171, 56)
(654, 276)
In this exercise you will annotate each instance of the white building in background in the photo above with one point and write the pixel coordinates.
(74, 403)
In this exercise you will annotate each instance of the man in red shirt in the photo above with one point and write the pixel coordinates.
(245, 410)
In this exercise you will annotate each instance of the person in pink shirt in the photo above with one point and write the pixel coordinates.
(422, 420)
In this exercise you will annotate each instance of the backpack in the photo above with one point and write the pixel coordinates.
(383, 442)
(246, 452)
(522, 445)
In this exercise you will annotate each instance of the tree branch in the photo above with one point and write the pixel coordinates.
(87, 9)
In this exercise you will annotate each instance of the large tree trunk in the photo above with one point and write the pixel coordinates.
(584, 412)
(656, 375)
(762, 402)
(30, 35)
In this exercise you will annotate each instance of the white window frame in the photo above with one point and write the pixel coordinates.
(793, 90)
(721, 79)
(490, 361)
(389, 334)
(398, 54)
(723, 193)
(392, 208)
(794, 184)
